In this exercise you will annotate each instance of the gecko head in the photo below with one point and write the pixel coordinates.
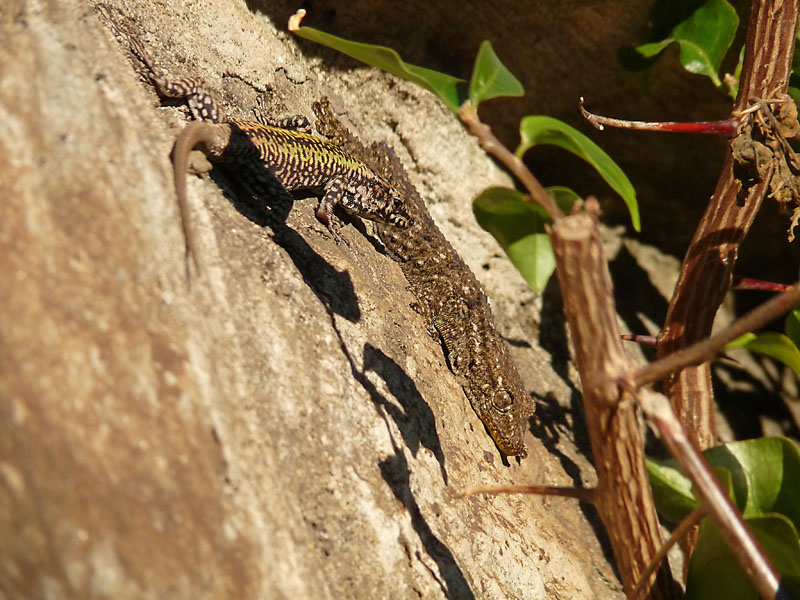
(502, 404)
(510, 411)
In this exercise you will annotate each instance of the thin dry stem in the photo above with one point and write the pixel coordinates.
(726, 127)
(710, 347)
(744, 283)
(493, 146)
(692, 519)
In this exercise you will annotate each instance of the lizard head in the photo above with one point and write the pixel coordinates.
(391, 206)
(396, 213)
(509, 418)
(373, 198)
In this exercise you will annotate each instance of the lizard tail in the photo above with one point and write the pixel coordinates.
(215, 138)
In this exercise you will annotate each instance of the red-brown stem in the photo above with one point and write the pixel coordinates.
(744, 283)
(644, 340)
(727, 127)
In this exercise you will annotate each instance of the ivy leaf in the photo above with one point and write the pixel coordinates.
(451, 90)
(535, 130)
(776, 345)
(704, 38)
(792, 326)
(764, 478)
(765, 474)
(672, 490)
(715, 573)
(490, 77)
(518, 226)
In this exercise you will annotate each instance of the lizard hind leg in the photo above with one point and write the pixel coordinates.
(297, 123)
(328, 124)
(202, 104)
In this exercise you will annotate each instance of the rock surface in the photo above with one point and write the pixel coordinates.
(284, 427)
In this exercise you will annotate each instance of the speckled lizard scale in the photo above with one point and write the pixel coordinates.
(456, 308)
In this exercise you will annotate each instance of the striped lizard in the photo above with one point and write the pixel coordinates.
(294, 159)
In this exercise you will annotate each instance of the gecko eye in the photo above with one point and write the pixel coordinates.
(502, 400)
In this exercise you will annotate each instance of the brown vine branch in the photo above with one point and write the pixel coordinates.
(624, 499)
(707, 267)
(692, 519)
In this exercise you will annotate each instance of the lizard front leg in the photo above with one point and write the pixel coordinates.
(334, 193)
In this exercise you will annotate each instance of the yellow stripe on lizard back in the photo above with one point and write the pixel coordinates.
(300, 160)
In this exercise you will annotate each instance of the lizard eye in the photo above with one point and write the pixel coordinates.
(502, 400)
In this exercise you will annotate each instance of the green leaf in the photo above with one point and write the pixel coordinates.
(792, 326)
(451, 90)
(672, 490)
(733, 86)
(518, 226)
(776, 345)
(653, 48)
(765, 474)
(704, 38)
(763, 477)
(715, 573)
(536, 130)
(490, 77)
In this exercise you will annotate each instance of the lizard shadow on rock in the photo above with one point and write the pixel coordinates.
(333, 288)
(553, 332)
(415, 421)
(553, 339)
(454, 585)
(550, 415)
